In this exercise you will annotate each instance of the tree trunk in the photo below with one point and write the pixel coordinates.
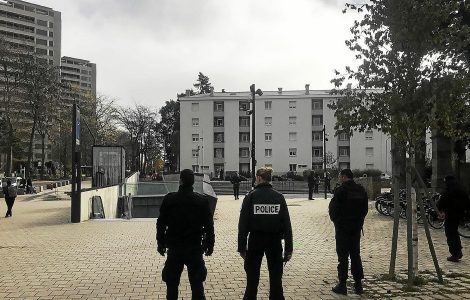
(30, 148)
(409, 225)
(43, 154)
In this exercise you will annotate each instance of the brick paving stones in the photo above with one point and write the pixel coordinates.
(43, 256)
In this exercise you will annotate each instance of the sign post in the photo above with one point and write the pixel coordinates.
(76, 166)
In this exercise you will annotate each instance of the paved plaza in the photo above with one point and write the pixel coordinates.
(43, 256)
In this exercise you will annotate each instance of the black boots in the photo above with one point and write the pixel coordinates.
(453, 258)
(340, 288)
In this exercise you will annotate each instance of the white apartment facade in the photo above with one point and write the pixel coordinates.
(215, 134)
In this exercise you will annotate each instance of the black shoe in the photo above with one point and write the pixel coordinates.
(358, 288)
(453, 259)
(340, 288)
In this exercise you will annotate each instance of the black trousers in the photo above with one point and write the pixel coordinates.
(451, 226)
(9, 202)
(258, 245)
(236, 191)
(197, 272)
(348, 244)
(315, 189)
(310, 191)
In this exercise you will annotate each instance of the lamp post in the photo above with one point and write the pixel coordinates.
(324, 157)
(254, 92)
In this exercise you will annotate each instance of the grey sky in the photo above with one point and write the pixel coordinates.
(147, 51)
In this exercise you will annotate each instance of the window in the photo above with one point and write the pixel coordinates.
(51, 25)
(369, 166)
(195, 152)
(343, 151)
(51, 43)
(369, 135)
(218, 152)
(51, 34)
(195, 122)
(268, 121)
(244, 137)
(343, 165)
(343, 136)
(218, 122)
(243, 105)
(218, 106)
(268, 152)
(292, 120)
(292, 104)
(268, 105)
(292, 136)
(317, 166)
(194, 106)
(195, 168)
(41, 51)
(244, 122)
(51, 52)
(317, 120)
(317, 135)
(292, 152)
(41, 42)
(218, 137)
(195, 138)
(369, 151)
(41, 32)
(244, 152)
(293, 167)
(42, 22)
(268, 137)
(317, 152)
(317, 104)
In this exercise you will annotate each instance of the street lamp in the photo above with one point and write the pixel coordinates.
(254, 92)
(324, 157)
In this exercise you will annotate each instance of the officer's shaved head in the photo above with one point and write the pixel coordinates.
(264, 173)
(348, 173)
(187, 177)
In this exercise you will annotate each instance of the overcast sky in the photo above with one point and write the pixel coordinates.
(147, 51)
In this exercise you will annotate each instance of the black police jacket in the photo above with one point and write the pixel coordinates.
(185, 220)
(454, 203)
(235, 180)
(349, 206)
(264, 210)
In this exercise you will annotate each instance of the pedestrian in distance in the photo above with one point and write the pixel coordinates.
(316, 184)
(235, 180)
(328, 183)
(453, 205)
(185, 231)
(10, 193)
(264, 222)
(311, 184)
(348, 209)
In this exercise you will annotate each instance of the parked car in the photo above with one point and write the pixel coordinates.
(15, 181)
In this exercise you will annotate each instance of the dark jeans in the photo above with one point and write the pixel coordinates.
(315, 188)
(451, 226)
(258, 245)
(236, 191)
(9, 202)
(197, 272)
(348, 244)
(310, 192)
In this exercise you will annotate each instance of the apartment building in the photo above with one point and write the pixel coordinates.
(81, 75)
(35, 28)
(216, 133)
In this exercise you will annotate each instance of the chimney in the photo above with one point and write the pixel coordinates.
(349, 86)
(279, 91)
(307, 89)
(188, 92)
(223, 90)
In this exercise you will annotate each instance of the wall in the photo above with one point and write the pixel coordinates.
(109, 196)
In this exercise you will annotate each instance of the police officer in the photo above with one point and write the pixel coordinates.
(311, 184)
(264, 217)
(452, 205)
(347, 209)
(235, 180)
(185, 227)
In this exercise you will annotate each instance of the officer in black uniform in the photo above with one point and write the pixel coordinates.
(264, 218)
(235, 180)
(348, 209)
(311, 184)
(453, 205)
(186, 228)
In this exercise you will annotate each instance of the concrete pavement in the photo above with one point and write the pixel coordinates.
(43, 256)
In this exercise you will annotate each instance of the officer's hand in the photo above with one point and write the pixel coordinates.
(161, 250)
(209, 251)
(288, 257)
(243, 254)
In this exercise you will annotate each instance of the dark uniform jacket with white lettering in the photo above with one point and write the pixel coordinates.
(185, 220)
(264, 210)
(349, 206)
